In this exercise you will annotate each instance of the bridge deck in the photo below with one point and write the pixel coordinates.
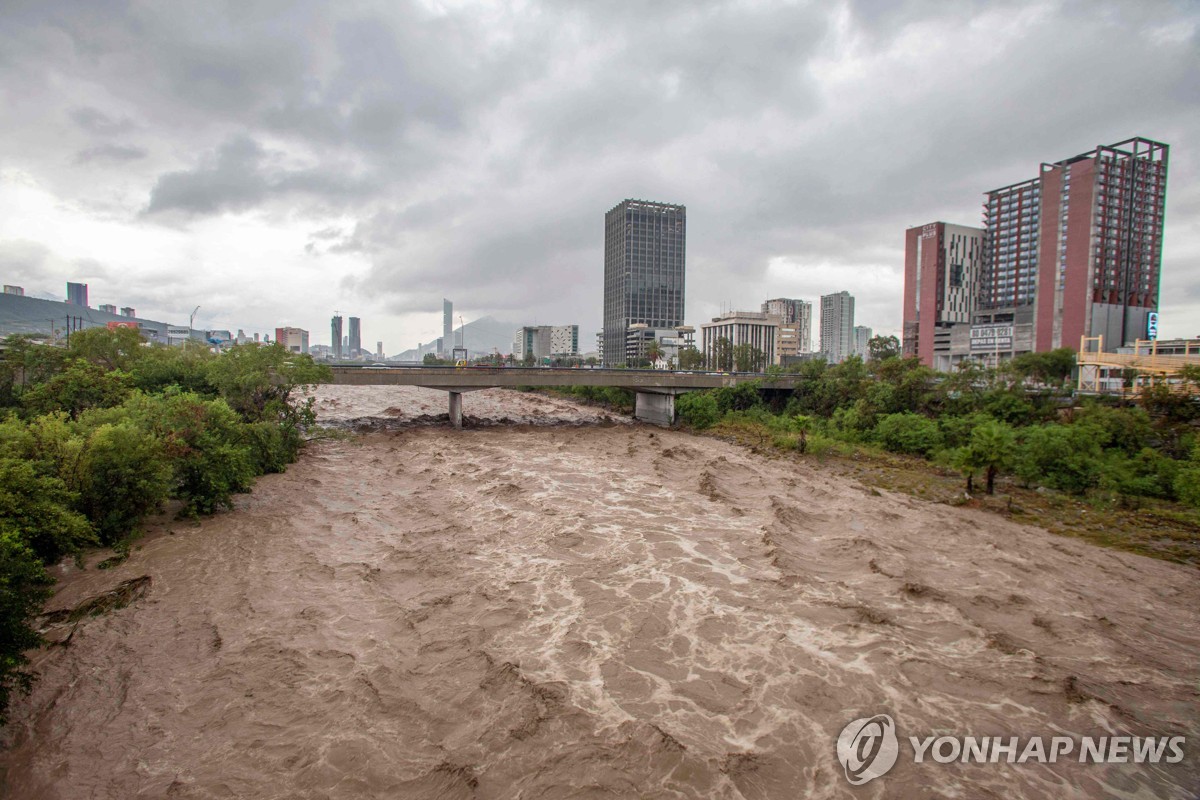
(466, 378)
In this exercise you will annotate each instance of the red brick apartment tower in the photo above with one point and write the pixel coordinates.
(1077, 250)
(1101, 244)
(1012, 223)
(941, 278)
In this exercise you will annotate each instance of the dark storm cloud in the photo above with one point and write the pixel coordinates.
(473, 151)
(241, 174)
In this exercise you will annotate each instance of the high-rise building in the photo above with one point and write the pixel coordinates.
(721, 338)
(644, 258)
(447, 328)
(107, 308)
(355, 337)
(531, 341)
(795, 317)
(77, 294)
(837, 326)
(293, 339)
(546, 341)
(1074, 252)
(862, 341)
(128, 311)
(335, 335)
(564, 340)
(379, 350)
(942, 265)
(17, 290)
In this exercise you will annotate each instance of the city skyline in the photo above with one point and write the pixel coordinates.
(304, 181)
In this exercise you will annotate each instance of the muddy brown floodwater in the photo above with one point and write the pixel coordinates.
(594, 609)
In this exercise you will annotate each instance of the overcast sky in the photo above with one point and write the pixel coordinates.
(272, 162)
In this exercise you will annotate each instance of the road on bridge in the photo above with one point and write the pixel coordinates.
(655, 389)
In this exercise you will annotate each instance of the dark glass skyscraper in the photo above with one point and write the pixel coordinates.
(77, 294)
(644, 250)
(355, 337)
(335, 335)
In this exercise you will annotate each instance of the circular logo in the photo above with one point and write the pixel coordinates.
(868, 748)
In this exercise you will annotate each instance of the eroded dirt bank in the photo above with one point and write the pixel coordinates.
(595, 610)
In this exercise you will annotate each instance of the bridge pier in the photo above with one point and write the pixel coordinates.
(456, 409)
(655, 408)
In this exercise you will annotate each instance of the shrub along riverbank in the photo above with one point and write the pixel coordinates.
(96, 436)
(1016, 426)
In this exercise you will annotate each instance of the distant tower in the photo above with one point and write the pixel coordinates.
(447, 327)
(862, 341)
(335, 335)
(942, 264)
(797, 313)
(837, 326)
(644, 250)
(77, 294)
(355, 337)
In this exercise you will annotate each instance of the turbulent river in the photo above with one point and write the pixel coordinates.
(555, 602)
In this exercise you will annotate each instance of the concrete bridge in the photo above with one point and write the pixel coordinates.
(655, 390)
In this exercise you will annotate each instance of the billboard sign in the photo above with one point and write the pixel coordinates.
(112, 325)
(1152, 325)
(991, 337)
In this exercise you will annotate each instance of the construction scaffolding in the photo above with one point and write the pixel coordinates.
(1130, 374)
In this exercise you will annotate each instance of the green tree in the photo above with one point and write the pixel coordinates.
(206, 444)
(909, 433)
(721, 355)
(1049, 369)
(742, 397)
(697, 409)
(123, 475)
(1187, 481)
(690, 359)
(79, 386)
(40, 506)
(914, 386)
(990, 449)
(963, 387)
(259, 381)
(881, 348)
(1063, 457)
(24, 588)
(112, 349)
(653, 351)
(185, 368)
(27, 362)
(747, 358)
